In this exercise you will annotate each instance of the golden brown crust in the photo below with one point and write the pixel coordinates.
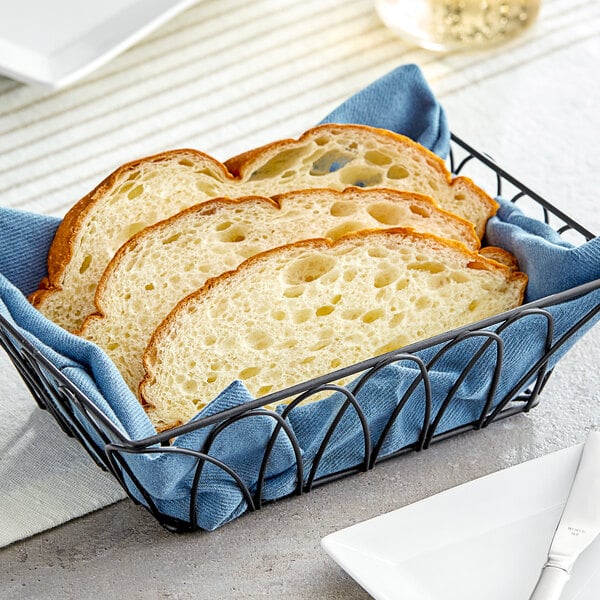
(239, 164)
(213, 205)
(203, 208)
(500, 255)
(474, 240)
(61, 249)
(60, 252)
(475, 261)
(493, 206)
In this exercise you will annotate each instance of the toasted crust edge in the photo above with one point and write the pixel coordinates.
(214, 204)
(61, 249)
(480, 262)
(239, 164)
(131, 244)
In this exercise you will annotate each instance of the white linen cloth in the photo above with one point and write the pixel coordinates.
(46, 478)
(225, 76)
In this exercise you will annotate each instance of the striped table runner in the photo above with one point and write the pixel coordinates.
(226, 76)
(222, 77)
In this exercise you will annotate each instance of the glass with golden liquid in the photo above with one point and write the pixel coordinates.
(456, 24)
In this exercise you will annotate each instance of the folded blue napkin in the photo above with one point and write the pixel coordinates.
(400, 101)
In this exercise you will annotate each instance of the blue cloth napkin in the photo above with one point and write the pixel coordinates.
(403, 102)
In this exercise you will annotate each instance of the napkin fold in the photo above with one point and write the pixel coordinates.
(403, 102)
(400, 101)
(553, 265)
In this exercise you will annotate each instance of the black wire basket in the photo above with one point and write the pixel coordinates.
(79, 417)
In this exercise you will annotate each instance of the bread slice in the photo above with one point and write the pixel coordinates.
(149, 190)
(167, 261)
(500, 255)
(300, 311)
(356, 155)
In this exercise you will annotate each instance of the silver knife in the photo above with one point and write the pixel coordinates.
(579, 524)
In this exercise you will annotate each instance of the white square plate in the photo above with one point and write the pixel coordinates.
(56, 42)
(485, 539)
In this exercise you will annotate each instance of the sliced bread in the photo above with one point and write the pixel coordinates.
(149, 190)
(303, 310)
(169, 260)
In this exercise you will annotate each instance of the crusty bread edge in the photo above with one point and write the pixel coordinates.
(275, 201)
(132, 242)
(238, 165)
(479, 262)
(404, 195)
(61, 249)
(500, 255)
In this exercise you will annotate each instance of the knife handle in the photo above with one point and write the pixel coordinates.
(550, 584)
